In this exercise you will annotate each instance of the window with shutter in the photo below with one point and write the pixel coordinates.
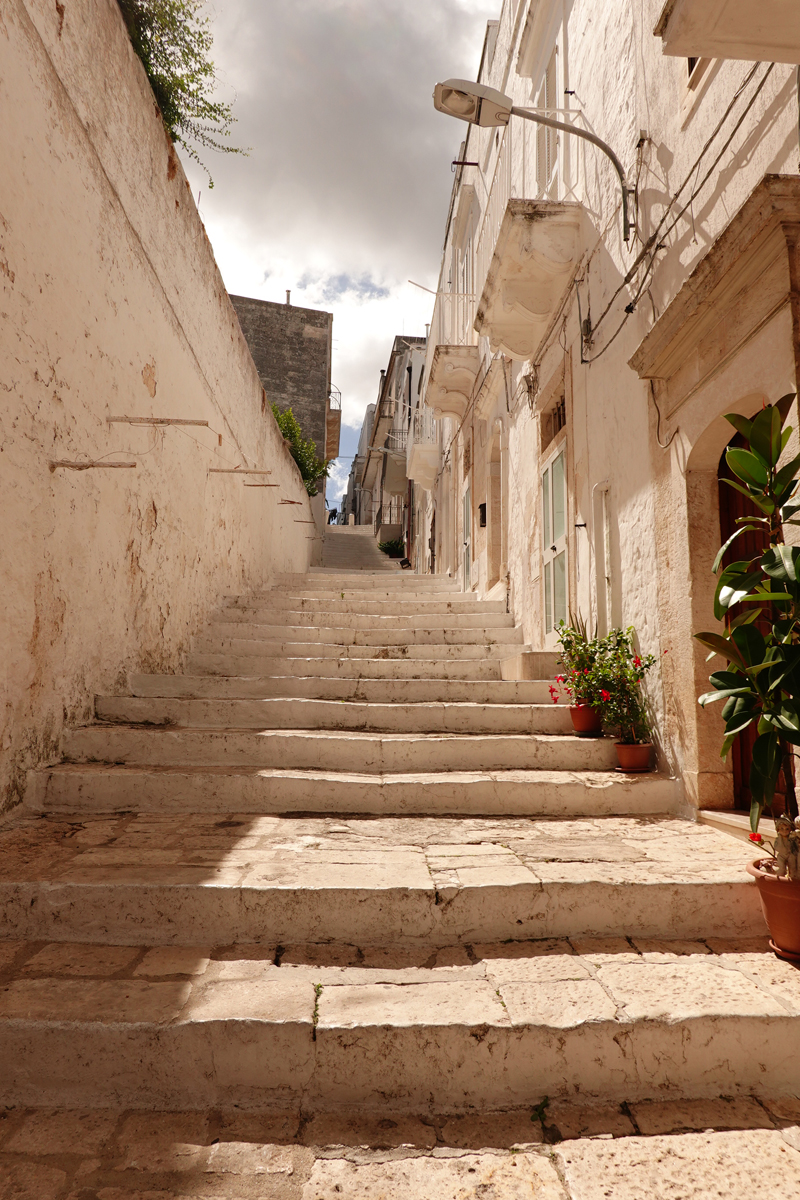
(547, 139)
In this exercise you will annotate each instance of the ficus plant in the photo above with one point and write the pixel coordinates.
(761, 683)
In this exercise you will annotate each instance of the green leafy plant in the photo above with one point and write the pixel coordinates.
(605, 673)
(620, 670)
(174, 44)
(761, 683)
(396, 548)
(304, 450)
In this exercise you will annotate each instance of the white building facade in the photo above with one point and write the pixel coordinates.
(576, 382)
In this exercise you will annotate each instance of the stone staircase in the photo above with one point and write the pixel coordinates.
(340, 863)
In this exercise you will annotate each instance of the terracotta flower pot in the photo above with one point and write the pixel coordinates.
(585, 719)
(632, 756)
(780, 903)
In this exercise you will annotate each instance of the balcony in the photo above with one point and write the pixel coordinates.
(451, 380)
(422, 454)
(533, 260)
(755, 30)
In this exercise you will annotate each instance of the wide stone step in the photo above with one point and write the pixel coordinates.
(210, 701)
(409, 608)
(214, 879)
(166, 700)
(331, 619)
(336, 751)
(434, 635)
(236, 639)
(232, 657)
(361, 581)
(353, 592)
(502, 1026)
(98, 787)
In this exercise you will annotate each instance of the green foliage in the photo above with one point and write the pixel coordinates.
(761, 683)
(304, 450)
(396, 548)
(607, 674)
(174, 43)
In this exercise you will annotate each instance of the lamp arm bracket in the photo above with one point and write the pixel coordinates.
(552, 123)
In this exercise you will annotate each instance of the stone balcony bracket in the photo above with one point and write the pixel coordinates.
(452, 380)
(534, 260)
(753, 30)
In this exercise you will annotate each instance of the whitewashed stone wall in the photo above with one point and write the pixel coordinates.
(641, 103)
(112, 305)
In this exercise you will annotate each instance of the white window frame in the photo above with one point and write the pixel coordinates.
(555, 552)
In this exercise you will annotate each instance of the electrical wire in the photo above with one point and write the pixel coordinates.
(656, 240)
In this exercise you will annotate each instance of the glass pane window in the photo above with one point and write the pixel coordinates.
(554, 546)
(546, 507)
(548, 598)
(559, 499)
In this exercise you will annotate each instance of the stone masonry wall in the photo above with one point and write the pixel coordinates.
(291, 348)
(112, 305)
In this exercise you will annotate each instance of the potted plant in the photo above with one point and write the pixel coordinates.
(578, 656)
(620, 670)
(761, 682)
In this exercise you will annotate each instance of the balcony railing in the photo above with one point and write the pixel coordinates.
(397, 439)
(423, 429)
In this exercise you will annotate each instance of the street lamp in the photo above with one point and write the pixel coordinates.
(481, 105)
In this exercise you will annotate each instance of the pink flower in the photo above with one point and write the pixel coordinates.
(604, 694)
(637, 662)
(755, 837)
(554, 694)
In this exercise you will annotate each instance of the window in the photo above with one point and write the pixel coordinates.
(554, 545)
(547, 139)
(482, 515)
(553, 420)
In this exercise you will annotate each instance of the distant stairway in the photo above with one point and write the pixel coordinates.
(340, 861)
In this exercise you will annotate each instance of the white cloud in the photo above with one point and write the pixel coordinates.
(345, 192)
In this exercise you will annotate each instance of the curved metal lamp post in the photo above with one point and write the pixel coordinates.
(481, 105)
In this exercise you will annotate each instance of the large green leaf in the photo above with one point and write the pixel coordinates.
(755, 815)
(721, 645)
(754, 496)
(765, 435)
(741, 424)
(783, 476)
(784, 405)
(781, 563)
(750, 641)
(735, 582)
(747, 466)
(765, 754)
(730, 541)
(740, 721)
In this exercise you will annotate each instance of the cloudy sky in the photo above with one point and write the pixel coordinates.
(344, 194)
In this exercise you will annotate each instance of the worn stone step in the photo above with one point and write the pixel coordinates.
(192, 704)
(336, 751)
(505, 1026)
(388, 691)
(363, 581)
(222, 879)
(239, 639)
(100, 787)
(352, 592)
(409, 608)
(236, 658)
(331, 619)
(433, 635)
(578, 1150)
(211, 701)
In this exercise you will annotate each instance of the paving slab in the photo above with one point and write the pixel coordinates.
(692, 1166)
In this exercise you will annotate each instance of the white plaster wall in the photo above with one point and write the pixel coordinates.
(627, 91)
(112, 305)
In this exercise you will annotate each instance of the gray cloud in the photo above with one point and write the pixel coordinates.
(345, 192)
